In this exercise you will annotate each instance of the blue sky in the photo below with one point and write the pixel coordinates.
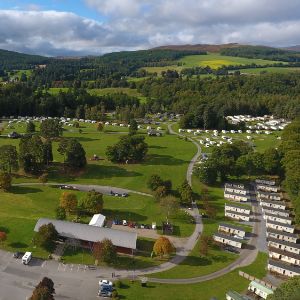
(82, 27)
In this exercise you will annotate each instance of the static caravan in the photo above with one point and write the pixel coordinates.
(265, 182)
(279, 219)
(280, 226)
(288, 257)
(267, 188)
(282, 235)
(259, 289)
(233, 295)
(273, 204)
(236, 197)
(283, 269)
(236, 191)
(239, 186)
(237, 216)
(227, 240)
(268, 196)
(238, 209)
(276, 211)
(232, 229)
(283, 245)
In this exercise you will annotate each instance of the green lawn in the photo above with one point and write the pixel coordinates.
(205, 291)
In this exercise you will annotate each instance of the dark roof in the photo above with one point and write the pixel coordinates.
(284, 266)
(279, 217)
(282, 233)
(280, 224)
(232, 226)
(228, 237)
(90, 233)
(286, 253)
(285, 243)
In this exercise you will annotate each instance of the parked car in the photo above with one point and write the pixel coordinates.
(68, 187)
(18, 254)
(125, 223)
(124, 195)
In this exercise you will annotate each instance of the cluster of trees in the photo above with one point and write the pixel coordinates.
(44, 290)
(105, 251)
(160, 187)
(287, 290)
(46, 237)
(290, 148)
(238, 159)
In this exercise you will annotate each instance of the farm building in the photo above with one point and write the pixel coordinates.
(268, 196)
(276, 211)
(267, 188)
(273, 204)
(282, 235)
(283, 269)
(227, 240)
(87, 235)
(265, 182)
(279, 219)
(288, 257)
(97, 220)
(232, 229)
(283, 245)
(237, 208)
(259, 289)
(233, 295)
(280, 226)
(237, 216)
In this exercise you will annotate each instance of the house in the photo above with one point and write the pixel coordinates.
(282, 235)
(259, 289)
(276, 211)
(237, 216)
(279, 219)
(283, 269)
(97, 220)
(267, 188)
(284, 245)
(237, 208)
(265, 182)
(273, 204)
(280, 226)
(233, 295)
(268, 196)
(227, 240)
(239, 186)
(288, 257)
(236, 197)
(232, 229)
(88, 235)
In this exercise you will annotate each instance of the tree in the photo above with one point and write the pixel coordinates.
(60, 213)
(99, 126)
(48, 283)
(44, 290)
(271, 161)
(93, 202)
(163, 246)
(3, 236)
(105, 251)
(5, 181)
(154, 182)
(160, 192)
(131, 148)
(186, 193)
(207, 173)
(69, 202)
(8, 158)
(169, 206)
(74, 154)
(30, 127)
(47, 152)
(43, 178)
(133, 128)
(51, 128)
(204, 244)
(288, 290)
(46, 237)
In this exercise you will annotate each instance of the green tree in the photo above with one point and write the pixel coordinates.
(186, 193)
(154, 182)
(271, 161)
(60, 213)
(8, 158)
(93, 202)
(204, 245)
(30, 127)
(47, 152)
(5, 181)
(133, 128)
(100, 126)
(51, 128)
(69, 202)
(43, 178)
(169, 206)
(207, 173)
(46, 237)
(160, 192)
(105, 251)
(288, 290)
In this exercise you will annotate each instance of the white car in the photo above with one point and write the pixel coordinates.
(105, 282)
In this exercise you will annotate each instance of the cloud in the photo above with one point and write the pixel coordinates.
(138, 24)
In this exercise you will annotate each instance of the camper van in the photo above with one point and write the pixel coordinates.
(26, 258)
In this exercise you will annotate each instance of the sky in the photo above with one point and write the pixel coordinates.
(94, 27)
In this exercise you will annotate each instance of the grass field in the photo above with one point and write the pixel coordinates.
(216, 288)
(258, 71)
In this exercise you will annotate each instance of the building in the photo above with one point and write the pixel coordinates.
(237, 216)
(232, 229)
(237, 208)
(283, 269)
(273, 204)
(276, 211)
(259, 289)
(279, 219)
(87, 235)
(237, 192)
(267, 188)
(265, 182)
(282, 235)
(236, 197)
(97, 220)
(288, 257)
(233, 295)
(227, 240)
(268, 196)
(283, 245)
(238, 186)
(280, 226)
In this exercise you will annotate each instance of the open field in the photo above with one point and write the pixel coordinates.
(205, 291)
(258, 71)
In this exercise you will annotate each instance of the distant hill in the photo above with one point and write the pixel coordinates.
(10, 60)
(293, 48)
(200, 47)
